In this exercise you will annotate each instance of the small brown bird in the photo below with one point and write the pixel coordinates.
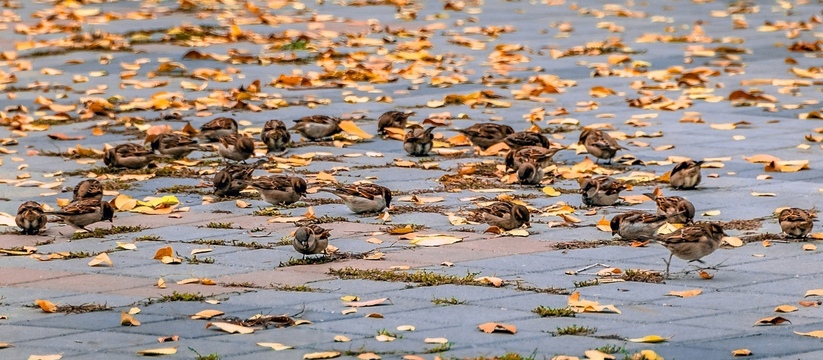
(540, 156)
(173, 145)
(214, 130)
(636, 225)
(795, 222)
(236, 147)
(129, 155)
(88, 189)
(502, 214)
(601, 191)
(233, 178)
(692, 243)
(685, 175)
(599, 144)
(276, 136)
(678, 209)
(30, 218)
(526, 138)
(311, 239)
(363, 198)
(280, 190)
(393, 119)
(529, 173)
(484, 135)
(317, 127)
(82, 213)
(418, 142)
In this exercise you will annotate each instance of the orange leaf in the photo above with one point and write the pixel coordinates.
(46, 306)
(497, 327)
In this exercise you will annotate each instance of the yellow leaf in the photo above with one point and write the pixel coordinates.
(787, 166)
(166, 251)
(497, 327)
(650, 355)
(685, 293)
(785, 309)
(815, 292)
(46, 306)
(230, 328)
(604, 225)
(126, 246)
(435, 240)
(809, 247)
(711, 213)
(733, 241)
(550, 191)
(161, 283)
(101, 259)
(157, 352)
(275, 346)
(763, 194)
(352, 129)
(773, 320)
(741, 352)
(207, 314)
(350, 298)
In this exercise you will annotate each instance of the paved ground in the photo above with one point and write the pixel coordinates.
(750, 283)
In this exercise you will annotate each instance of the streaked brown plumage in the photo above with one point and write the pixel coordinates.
(214, 130)
(276, 136)
(692, 243)
(599, 144)
(280, 190)
(394, 119)
(529, 174)
(678, 209)
(526, 138)
(685, 175)
(236, 147)
(795, 222)
(82, 213)
(540, 156)
(129, 155)
(88, 189)
(601, 191)
(233, 178)
(484, 135)
(418, 142)
(317, 127)
(636, 225)
(174, 145)
(502, 214)
(363, 198)
(311, 239)
(30, 218)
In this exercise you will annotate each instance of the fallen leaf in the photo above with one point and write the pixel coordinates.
(207, 314)
(275, 346)
(158, 352)
(230, 328)
(550, 191)
(685, 293)
(341, 338)
(774, 320)
(405, 328)
(711, 213)
(650, 339)
(46, 306)
(491, 327)
(817, 333)
(172, 338)
(163, 252)
(321, 355)
(352, 129)
(597, 355)
(374, 302)
(385, 338)
(127, 320)
(815, 292)
(733, 241)
(101, 259)
(436, 340)
(785, 309)
(809, 247)
(741, 352)
(435, 240)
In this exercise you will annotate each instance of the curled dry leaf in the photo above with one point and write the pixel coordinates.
(369, 356)
(101, 259)
(163, 252)
(705, 275)
(405, 328)
(172, 338)
(496, 282)
(817, 333)
(814, 292)
(341, 338)
(435, 340)
(785, 309)
(809, 247)
(207, 314)
(46, 306)
(598, 355)
(742, 352)
(128, 320)
(733, 241)
(773, 320)
(685, 293)
(385, 338)
(374, 316)
(491, 327)
(321, 355)
(45, 357)
(435, 240)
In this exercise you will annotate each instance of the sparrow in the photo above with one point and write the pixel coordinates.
(30, 218)
(311, 239)
(316, 127)
(601, 191)
(276, 136)
(233, 178)
(174, 145)
(691, 243)
(678, 209)
(529, 173)
(280, 190)
(795, 222)
(685, 175)
(636, 225)
(504, 215)
(484, 135)
(213, 130)
(393, 119)
(599, 144)
(538, 155)
(526, 138)
(236, 147)
(129, 155)
(363, 198)
(418, 142)
(82, 213)
(88, 189)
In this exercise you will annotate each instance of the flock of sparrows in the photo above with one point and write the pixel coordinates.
(529, 155)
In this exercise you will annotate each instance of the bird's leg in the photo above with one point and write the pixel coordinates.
(668, 262)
